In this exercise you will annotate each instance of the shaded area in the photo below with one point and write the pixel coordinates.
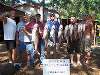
(96, 52)
(7, 69)
(92, 69)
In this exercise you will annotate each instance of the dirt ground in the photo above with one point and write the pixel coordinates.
(91, 69)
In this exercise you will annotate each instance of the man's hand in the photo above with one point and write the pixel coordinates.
(27, 32)
(36, 52)
(17, 43)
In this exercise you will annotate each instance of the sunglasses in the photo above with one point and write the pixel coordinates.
(52, 16)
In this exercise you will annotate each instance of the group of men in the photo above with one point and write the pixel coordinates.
(26, 38)
(79, 36)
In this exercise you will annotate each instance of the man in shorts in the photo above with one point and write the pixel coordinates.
(74, 42)
(88, 35)
(9, 26)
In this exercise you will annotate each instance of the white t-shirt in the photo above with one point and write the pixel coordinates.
(9, 29)
(27, 38)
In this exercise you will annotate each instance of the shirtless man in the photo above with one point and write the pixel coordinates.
(88, 37)
(74, 42)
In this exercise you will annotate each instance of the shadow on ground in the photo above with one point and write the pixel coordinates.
(8, 69)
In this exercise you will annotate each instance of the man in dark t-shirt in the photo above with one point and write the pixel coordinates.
(39, 42)
(74, 42)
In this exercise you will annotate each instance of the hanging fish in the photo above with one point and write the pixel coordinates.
(46, 35)
(53, 35)
(35, 37)
(60, 34)
(66, 33)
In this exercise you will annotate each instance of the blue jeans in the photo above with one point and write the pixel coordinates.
(42, 50)
(30, 51)
(21, 48)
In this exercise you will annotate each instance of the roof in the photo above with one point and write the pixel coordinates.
(9, 8)
(35, 5)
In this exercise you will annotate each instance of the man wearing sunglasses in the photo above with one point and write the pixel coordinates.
(52, 22)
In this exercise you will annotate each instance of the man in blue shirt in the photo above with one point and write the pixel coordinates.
(21, 47)
(53, 27)
(24, 45)
(52, 22)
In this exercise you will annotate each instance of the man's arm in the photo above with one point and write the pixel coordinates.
(17, 35)
(27, 32)
(17, 38)
(57, 25)
(4, 20)
(49, 25)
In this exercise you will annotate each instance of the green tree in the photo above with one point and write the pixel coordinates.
(7, 2)
(68, 8)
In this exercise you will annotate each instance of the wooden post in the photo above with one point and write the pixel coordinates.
(42, 10)
(95, 35)
(94, 38)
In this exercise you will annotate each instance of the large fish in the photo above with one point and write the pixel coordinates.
(60, 34)
(66, 33)
(71, 29)
(46, 35)
(35, 37)
(53, 34)
(52, 39)
(80, 27)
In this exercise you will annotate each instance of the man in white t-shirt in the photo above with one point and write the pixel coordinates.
(9, 26)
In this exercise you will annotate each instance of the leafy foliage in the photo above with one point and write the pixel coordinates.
(68, 8)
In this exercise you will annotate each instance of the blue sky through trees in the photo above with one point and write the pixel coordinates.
(25, 1)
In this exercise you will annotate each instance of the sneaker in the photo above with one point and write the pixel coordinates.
(17, 66)
(10, 62)
(79, 64)
(74, 65)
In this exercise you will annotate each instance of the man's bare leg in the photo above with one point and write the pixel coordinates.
(72, 60)
(88, 56)
(14, 55)
(10, 56)
(78, 59)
